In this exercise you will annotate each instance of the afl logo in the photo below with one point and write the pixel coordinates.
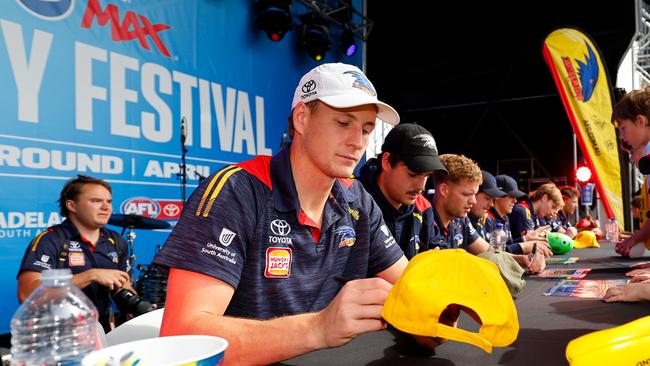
(308, 86)
(48, 9)
(280, 227)
(141, 206)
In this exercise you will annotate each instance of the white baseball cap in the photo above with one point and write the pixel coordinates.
(341, 86)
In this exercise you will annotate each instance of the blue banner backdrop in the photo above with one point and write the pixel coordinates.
(99, 88)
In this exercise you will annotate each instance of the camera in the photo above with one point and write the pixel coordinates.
(129, 302)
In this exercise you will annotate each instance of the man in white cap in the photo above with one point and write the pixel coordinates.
(263, 247)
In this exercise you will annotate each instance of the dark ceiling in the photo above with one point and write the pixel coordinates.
(474, 75)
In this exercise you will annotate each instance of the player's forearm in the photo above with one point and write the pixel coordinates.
(83, 279)
(255, 342)
(642, 234)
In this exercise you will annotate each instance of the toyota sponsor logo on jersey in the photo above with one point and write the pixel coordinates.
(48, 9)
(281, 229)
(143, 206)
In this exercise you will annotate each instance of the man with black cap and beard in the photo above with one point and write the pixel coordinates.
(396, 179)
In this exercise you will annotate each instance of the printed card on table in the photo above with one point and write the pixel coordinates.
(561, 260)
(583, 288)
(570, 274)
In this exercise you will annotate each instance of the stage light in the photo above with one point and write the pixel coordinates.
(583, 174)
(315, 36)
(274, 17)
(348, 45)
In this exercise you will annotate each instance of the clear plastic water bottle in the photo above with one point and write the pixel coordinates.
(498, 238)
(612, 231)
(56, 325)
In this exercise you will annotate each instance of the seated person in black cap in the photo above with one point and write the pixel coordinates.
(499, 214)
(454, 197)
(396, 178)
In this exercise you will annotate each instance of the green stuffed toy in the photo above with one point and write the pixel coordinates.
(560, 243)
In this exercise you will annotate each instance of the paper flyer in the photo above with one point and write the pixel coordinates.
(561, 260)
(583, 288)
(570, 274)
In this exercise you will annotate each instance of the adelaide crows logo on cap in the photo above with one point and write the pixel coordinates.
(427, 141)
(48, 9)
(361, 82)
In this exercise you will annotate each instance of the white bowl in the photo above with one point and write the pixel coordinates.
(196, 350)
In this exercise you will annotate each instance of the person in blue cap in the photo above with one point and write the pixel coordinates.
(396, 179)
(499, 214)
(487, 192)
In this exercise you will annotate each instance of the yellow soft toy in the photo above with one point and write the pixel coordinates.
(627, 344)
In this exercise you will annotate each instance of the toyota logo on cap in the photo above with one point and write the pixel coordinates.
(280, 227)
(308, 86)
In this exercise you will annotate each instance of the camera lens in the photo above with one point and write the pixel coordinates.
(128, 302)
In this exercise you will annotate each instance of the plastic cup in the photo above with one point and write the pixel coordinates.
(196, 350)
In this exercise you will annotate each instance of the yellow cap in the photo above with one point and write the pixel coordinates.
(627, 344)
(585, 239)
(435, 279)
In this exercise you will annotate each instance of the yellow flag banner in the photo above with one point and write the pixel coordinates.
(581, 79)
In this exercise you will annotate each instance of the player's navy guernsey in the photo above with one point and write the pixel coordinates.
(458, 234)
(553, 221)
(492, 218)
(412, 226)
(244, 226)
(110, 252)
(522, 219)
(479, 225)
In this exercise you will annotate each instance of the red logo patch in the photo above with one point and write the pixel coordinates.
(278, 262)
(76, 259)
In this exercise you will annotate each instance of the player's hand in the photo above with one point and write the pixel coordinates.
(539, 234)
(355, 310)
(542, 247)
(111, 278)
(629, 292)
(641, 265)
(641, 278)
(571, 232)
(623, 247)
(637, 272)
(537, 265)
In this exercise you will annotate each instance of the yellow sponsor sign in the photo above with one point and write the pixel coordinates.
(581, 79)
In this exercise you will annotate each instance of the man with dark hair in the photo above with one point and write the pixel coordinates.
(396, 179)
(488, 191)
(95, 255)
(499, 214)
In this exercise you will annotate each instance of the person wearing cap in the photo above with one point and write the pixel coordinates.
(499, 213)
(396, 179)
(454, 197)
(478, 214)
(262, 248)
(525, 218)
